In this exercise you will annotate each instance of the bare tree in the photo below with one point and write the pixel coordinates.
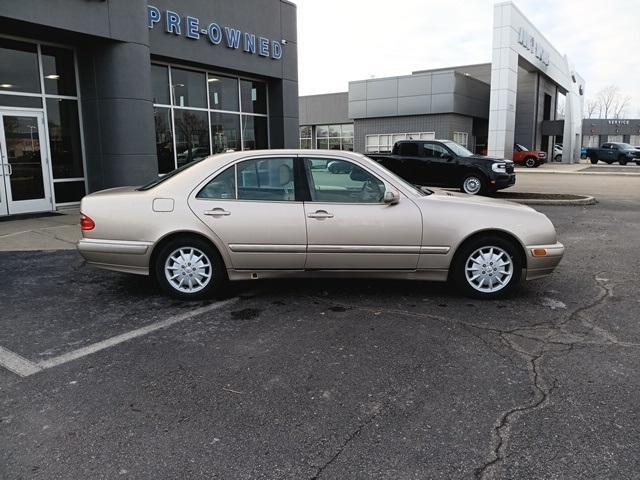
(592, 108)
(612, 103)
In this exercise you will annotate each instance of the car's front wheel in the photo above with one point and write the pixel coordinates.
(474, 184)
(622, 160)
(189, 268)
(530, 162)
(487, 267)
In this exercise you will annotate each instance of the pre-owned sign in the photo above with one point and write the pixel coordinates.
(231, 37)
(529, 42)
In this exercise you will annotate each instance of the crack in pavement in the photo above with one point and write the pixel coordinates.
(531, 342)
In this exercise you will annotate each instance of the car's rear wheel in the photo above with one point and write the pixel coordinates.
(189, 268)
(593, 160)
(487, 267)
(474, 184)
(530, 162)
(557, 158)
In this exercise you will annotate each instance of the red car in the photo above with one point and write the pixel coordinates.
(528, 158)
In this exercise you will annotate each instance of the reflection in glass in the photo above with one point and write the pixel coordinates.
(254, 132)
(18, 67)
(323, 143)
(67, 192)
(59, 71)
(223, 93)
(64, 138)
(322, 131)
(347, 130)
(164, 139)
(334, 144)
(254, 96)
(334, 130)
(160, 84)
(23, 153)
(192, 135)
(305, 143)
(225, 132)
(188, 88)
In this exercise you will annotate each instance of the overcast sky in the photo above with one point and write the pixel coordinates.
(342, 40)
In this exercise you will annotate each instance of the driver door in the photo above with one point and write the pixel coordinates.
(349, 227)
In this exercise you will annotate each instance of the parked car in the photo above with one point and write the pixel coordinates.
(529, 158)
(557, 152)
(443, 163)
(614, 152)
(267, 214)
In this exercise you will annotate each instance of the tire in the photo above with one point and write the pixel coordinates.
(530, 162)
(638, 163)
(622, 160)
(593, 160)
(474, 184)
(465, 265)
(210, 277)
(557, 158)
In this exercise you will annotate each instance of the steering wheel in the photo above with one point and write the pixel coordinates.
(371, 191)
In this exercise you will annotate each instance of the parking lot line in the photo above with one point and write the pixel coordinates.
(23, 367)
(17, 364)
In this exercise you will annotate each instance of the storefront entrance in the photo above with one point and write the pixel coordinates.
(25, 185)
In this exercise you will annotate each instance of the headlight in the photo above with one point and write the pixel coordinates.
(499, 167)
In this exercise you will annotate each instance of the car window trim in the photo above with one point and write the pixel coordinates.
(307, 171)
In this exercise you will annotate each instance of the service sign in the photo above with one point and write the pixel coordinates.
(228, 36)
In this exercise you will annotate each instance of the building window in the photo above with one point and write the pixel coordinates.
(335, 137)
(198, 113)
(614, 138)
(305, 137)
(383, 142)
(21, 78)
(461, 138)
(591, 141)
(634, 140)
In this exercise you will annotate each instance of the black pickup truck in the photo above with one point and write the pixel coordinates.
(614, 152)
(443, 163)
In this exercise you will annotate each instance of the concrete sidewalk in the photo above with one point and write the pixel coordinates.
(54, 232)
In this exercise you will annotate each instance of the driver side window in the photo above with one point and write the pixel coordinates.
(434, 151)
(341, 181)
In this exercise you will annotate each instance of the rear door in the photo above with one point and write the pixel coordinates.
(349, 226)
(253, 208)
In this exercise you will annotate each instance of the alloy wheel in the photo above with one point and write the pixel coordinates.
(488, 269)
(188, 270)
(472, 185)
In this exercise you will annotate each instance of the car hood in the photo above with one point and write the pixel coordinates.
(464, 199)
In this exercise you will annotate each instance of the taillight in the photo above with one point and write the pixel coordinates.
(86, 223)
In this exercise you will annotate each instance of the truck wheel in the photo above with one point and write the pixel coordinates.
(622, 160)
(593, 160)
(530, 162)
(474, 184)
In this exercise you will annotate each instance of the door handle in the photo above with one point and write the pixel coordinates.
(320, 214)
(217, 212)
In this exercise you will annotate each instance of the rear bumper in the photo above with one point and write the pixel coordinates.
(118, 255)
(541, 266)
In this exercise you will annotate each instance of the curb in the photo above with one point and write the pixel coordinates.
(578, 172)
(585, 200)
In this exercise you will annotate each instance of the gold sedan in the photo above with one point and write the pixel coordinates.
(285, 213)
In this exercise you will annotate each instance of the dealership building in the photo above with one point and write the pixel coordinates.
(525, 90)
(102, 93)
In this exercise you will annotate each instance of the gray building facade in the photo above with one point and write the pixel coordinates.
(97, 94)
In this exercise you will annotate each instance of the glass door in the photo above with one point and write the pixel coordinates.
(25, 183)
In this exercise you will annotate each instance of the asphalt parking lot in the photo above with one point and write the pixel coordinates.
(328, 379)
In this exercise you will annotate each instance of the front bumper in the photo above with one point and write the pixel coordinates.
(119, 255)
(542, 265)
(503, 181)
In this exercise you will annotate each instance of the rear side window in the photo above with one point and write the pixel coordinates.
(408, 149)
(269, 179)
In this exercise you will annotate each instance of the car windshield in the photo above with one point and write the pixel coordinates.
(458, 149)
(422, 191)
(172, 173)
(521, 148)
(626, 146)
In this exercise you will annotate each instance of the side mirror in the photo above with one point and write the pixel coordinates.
(391, 197)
